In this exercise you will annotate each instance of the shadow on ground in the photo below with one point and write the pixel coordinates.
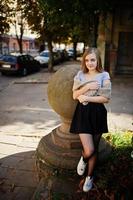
(18, 176)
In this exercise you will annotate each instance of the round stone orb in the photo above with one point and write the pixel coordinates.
(60, 91)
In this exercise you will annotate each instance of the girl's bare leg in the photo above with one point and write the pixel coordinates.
(90, 146)
(87, 143)
(93, 158)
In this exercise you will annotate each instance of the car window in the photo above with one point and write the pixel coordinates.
(20, 58)
(11, 59)
(45, 54)
(26, 57)
(31, 58)
(1, 57)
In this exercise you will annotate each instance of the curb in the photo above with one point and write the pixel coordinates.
(30, 82)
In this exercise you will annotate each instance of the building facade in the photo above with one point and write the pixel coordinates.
(9, 44)
(115, 39)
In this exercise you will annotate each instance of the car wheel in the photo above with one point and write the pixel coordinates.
(24, 72)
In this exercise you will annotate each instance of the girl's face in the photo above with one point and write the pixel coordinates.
(91, 62)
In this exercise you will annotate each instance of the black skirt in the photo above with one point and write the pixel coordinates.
(90, 118)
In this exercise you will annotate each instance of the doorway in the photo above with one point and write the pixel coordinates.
(125, 53)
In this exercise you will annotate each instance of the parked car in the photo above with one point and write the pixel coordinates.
(64, 55)
(20, 64)
(43, 57)
(70, 53)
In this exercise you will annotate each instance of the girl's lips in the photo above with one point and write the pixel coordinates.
(90, 66)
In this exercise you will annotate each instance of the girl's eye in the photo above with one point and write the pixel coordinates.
(92, 60)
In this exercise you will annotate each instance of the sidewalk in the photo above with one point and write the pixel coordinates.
(25, 117)
(120, 108)
(22, 126)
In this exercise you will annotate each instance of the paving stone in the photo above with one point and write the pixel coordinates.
(19, 141)
(8, 149)
(27, 164)
(18, 193)
(18, 163)
(23, 193)
(29, 154)
(9, 139)
(10, 161)
(3, 172)
(22, 178)
(5, 195)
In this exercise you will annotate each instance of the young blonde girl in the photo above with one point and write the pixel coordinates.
(92, 88)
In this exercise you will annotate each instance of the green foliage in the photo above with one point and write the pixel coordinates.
(4, 15)
(67, 19)
(116, 173)
(119, 139)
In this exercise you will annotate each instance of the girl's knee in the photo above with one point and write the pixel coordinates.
(88, 153)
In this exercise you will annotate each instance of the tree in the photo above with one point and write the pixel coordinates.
(4, 19)
(4, 16)
(73, 19)
(19, 22)
(47, 20)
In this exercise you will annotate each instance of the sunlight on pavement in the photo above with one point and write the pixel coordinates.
(36, 129)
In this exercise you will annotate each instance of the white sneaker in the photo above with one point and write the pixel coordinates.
(81, 166)
(88, 184)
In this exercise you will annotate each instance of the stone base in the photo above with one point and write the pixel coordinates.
(58, 153)
(59, 150)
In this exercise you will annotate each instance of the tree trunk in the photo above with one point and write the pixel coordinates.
(20, 39)
(84, 48)
(75, 52)
(20, 44)
(96, 23)
(1, 44)
(50, 63)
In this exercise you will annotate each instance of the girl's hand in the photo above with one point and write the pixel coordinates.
(83, 98)
(93, 85)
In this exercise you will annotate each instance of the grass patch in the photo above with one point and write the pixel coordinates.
(115, 177)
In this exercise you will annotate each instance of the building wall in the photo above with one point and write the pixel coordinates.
(115, 40)
(122, 35)
(101, 39)
(14, 47)
(9, 44)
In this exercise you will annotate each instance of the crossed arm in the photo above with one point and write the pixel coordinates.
(79, 94)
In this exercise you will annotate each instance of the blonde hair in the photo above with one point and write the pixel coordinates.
(99, 63)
